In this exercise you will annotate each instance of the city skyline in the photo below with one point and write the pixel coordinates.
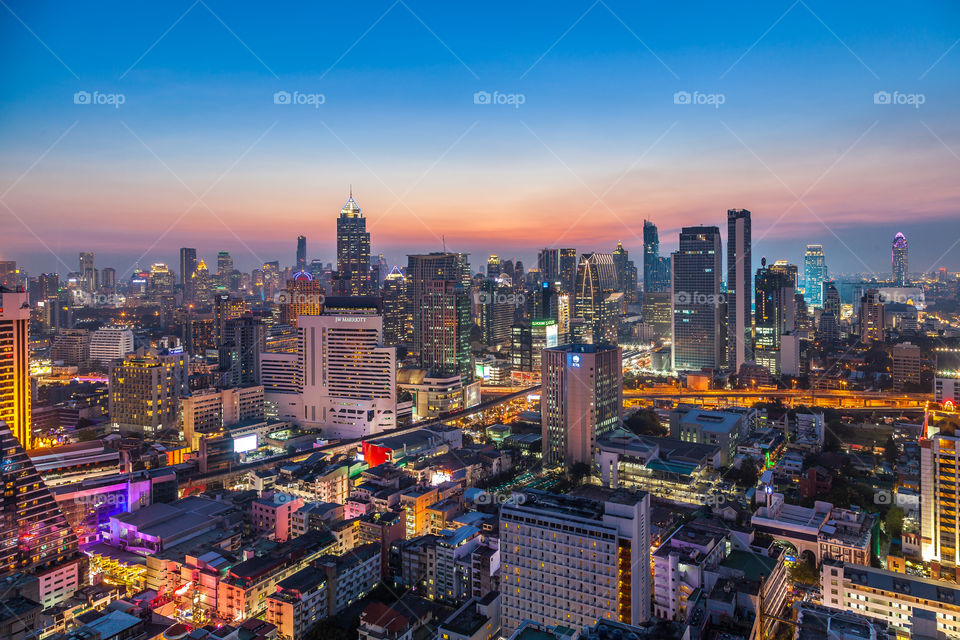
(201, 153)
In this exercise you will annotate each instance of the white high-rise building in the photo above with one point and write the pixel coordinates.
(573, 561)
(110, 343)
(349, 377)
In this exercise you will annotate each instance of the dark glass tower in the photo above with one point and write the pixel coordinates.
(353, 252)
(739, 289)
(697, 330)
(301, 253)
(900, 260)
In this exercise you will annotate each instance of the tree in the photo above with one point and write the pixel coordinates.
(578, 471)
(894, 522)
(804, 573)
(645, 422)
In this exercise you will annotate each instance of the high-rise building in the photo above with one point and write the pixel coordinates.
(831, 298)
(528, 339)
(494, 268)
(88, 273)
(397, 311)
(548, 262)
(349, 382)
(301, 253)
(108, 280)
(596, 282)
(302, 297)
(657, 313)
(580, 400)
(739, 288)
(626, 273)
(495, 304)
(900, 260)
(696, 271)
(9, 276)
(814, 273)
(872, 316)
(567, 260)
(188, 264)
(427, 268)
(110, 343)
(774, 315)
(939, 516)
(224, 262)
(946, 380)
(15, 364)
(442, 330)
(72, 347)
(789, 270)
(225, 308)
(353, 251)
(244, 339)
(49, 285)
(145, 389)
(35, 537)
(569, 562)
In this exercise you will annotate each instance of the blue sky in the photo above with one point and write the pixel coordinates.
(597, 145)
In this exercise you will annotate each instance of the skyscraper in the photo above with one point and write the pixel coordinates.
(349, 386)
(596, 281)
(939, 519)
(773, 316)
(88, 273)
(442, 329)
(567, 562)
(651, 255)
(353, 252)
(15, 364)
(581, 399)
(224, 263)
(548, 262)
(301, 253)
(626, 273)
(814, 273)
(696, 269)
(872, 316)
(789, 270)
(900, 260)
(739, 289)
(244, 339)
(397, 311)
(145, 389)
(302, 297)
(424, 269)
(493, 266)
(188, 264)
(567, 264)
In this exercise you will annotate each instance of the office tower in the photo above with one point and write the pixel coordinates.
(528, 339)
(224, 262)
(739, 289)
(789, 270)
(651, 256)
(567, 562)
(900, 260)
(161, 281)
(35, 537)
(271, 279)
(15, 364)
(349, 383)
(301, 253)
(872, 316)
(442, 330)
(657, 313)
(596, 281)
(397, 311)
(302, 297)
(108, 280)
(567, 260)
(244, 339)
(426, 268)
(353, 251)
(580, 400)
(814, 273)
(831, 299)
(225, 308)
(697, 321)
(88, 274)
(907, 365)
(201, 288)
(493, 266)
(145, 389)
(946, 380)
(111, 342)
(71, 347)
(188, 264)
(495, 304)
(626, 273)
(49, 285)
(774, 315)
(518, 273)
(548, 262)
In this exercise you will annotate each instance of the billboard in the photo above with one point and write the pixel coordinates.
(245, 443)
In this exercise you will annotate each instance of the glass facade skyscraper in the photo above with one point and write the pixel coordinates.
(353, 252)
(739, 289)
(900, 260)
(697, 331)
(814, 273)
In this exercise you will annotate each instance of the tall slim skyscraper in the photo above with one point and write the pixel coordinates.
(224, 263)
(651, 255)
(442, 331)
(349, 386)
(774, 315)
(580, 400)
(15, 364)
(626, 273)
(900, 260)
(301, 253)
(88, 273)
(494, 268)
(596, 282)
(814, 273)
(739, 289)
(353, 252)
(422, 271)
(567, 263)
(188, 265)
(397, 310)
(548, 262)
(939, 516)
(696, 270)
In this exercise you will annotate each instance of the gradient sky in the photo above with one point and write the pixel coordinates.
(597, 145)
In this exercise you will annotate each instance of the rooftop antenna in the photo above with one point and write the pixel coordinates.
(351, 189)
(443, 239)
